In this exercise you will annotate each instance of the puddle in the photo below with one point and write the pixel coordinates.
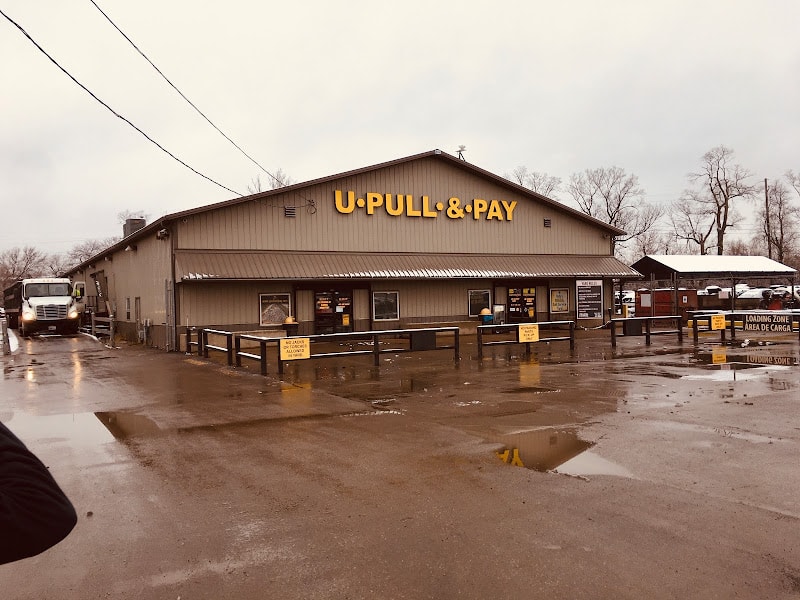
(124, 425)
(555, 450)
(78, 430)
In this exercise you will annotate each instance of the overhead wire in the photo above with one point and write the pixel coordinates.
(311, 202)
(111, 110)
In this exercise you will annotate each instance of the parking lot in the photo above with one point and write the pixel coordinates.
(666, 471)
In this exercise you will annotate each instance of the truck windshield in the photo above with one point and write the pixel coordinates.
(47, 289)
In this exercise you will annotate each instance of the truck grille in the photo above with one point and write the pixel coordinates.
(51, 312)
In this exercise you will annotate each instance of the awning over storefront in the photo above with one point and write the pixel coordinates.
(197, 265)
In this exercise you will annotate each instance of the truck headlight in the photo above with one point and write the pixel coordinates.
(28, 315)
(73, 314)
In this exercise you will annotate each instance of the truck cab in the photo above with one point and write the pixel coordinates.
(44, 304)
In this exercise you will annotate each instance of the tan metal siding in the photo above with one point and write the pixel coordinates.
(261, 224)
(224, 304)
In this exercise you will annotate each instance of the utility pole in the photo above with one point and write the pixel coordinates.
(766, 213)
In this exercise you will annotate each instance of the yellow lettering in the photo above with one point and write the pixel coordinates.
(343, 208)
(410, 210)
(373, 201)
(494, 211)
(395, 209)
(509, 206)
(426, 211)
(479, 207)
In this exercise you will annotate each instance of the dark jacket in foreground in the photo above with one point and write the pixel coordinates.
(34, 512)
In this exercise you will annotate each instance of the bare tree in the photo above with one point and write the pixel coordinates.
(721, 182)
(87, 249)
(541, 183)
(277, 180)
(124, 215)
(613, 196)
(692, 220)
(19, 263)
(779, 220)
(55, 265)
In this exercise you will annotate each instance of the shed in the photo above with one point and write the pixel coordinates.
(736, 269)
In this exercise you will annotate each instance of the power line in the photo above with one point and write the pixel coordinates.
(182, 95)
(115, 113)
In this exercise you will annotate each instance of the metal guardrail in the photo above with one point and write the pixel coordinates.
(701, 321)
(648, 323)
(421, 339)
(507, 328)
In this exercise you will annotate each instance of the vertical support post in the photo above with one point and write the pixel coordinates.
(263, 345)
(613, 333)
(572, 335)
(376, 350)
(229, 347)
(733, 327)
(111, 332)
(4, 333)
(188, 340)
(237, 346)
(94, 325)
(680, 329)
(647, 323)
(456, 345)
(205, 343)
(695, 325)
(480, 343)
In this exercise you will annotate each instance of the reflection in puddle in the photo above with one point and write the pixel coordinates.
(123, 425)
(557, 450)
(79, 429)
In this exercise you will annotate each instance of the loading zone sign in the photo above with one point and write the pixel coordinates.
(768, 323)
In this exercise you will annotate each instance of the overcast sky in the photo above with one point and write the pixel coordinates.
(318, 87)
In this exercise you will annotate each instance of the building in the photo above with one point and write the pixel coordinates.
(420, 240)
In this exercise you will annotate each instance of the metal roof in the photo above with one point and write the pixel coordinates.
(199, 265)
(663, 266)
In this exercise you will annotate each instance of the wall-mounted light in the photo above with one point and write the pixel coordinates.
(130, 248)
(162, 233)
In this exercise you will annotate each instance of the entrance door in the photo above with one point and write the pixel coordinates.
(333, 311)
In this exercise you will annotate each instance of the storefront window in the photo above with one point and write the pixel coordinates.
(386, 306)
(274, 308)
(478, 300)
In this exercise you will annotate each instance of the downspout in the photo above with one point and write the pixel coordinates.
(173, 234)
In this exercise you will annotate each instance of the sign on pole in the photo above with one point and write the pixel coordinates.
(295, 348)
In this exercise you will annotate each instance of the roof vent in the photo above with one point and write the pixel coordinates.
(548, 223)
(290, 212)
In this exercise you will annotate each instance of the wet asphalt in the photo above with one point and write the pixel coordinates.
(662, 471)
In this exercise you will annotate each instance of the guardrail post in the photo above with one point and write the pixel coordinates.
(695, 333)
(680, 330)
(188, 340)
(263, 344)
(376, 350)
(229, 347)
(647, 323)
(111, 331)
(613, 333)
(4, 333)
(94, 334)
(456, 345)
(572, 335)
(733, 327)
(480, 343)
(204, 333)
(237, 346)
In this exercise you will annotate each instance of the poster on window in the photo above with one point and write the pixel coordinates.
(589, 298)
(274, 308)
(559, 300)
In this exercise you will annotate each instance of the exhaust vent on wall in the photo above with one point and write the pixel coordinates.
(290, 211)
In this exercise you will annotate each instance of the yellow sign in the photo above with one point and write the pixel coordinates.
(345, 320)
(528, 333)
(719, 356)
(295, 348)
(396, 205)
(717, 322)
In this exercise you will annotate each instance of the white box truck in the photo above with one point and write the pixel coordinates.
(44, 304)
